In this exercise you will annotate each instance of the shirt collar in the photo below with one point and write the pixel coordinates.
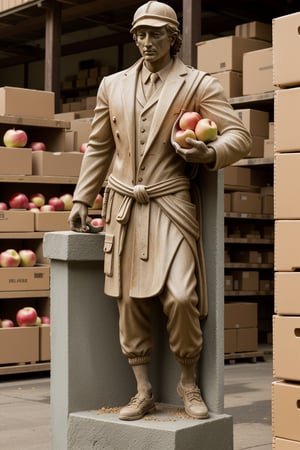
(163, 73)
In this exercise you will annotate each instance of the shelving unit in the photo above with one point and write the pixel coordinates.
(263, 297)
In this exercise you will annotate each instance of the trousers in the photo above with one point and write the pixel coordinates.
(180, 305)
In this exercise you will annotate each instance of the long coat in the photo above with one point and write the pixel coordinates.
(144, 233)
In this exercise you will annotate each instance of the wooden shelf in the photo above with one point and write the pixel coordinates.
(37, 179)
(24, 368)
(254, 162)
(33, 122)
(240, 240)
(24, 294)
(247, 293)
(22, 235)
(264, 99)
(236, 215)
(241, 265)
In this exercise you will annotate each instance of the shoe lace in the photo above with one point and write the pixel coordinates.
(135, 401)
(193, 394)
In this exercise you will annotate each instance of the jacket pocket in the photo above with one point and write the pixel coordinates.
(109, 254)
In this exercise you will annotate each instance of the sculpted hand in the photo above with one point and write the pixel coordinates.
(77, 217)
(199, 153)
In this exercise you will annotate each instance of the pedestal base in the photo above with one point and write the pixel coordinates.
(169, 428)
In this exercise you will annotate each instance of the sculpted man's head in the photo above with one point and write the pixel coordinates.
(157, 14)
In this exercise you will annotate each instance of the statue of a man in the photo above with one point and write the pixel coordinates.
(152, 234)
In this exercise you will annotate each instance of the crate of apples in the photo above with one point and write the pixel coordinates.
(192, 125)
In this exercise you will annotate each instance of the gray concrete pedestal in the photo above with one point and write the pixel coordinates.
(88, 371)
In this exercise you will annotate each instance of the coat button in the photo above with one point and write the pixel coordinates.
(114, 119)
(143, 168)
(140, 179)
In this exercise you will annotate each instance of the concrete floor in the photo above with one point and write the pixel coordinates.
(25, 410)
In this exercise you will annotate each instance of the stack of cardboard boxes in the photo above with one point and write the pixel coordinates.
(286, 320)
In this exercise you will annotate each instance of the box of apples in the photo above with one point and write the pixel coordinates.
(20, 271)
(25, 339)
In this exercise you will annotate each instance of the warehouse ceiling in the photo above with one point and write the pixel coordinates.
(22, 29)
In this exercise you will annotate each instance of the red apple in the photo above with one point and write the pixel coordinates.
(38, 146)
(189, 120)
(68, 201)
(3, 206)
(26, 316)
(47, 208)
(83, 147)
(10, 258)
(206, 130)
(98, 202)
(45, 320)
(15, 138)
(38, 321)
(27, 258)
(7, 323)
(181, 135)
(57, 203)
(19, 200)
(38, 199)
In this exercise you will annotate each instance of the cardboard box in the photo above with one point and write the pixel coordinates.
(257, 149)
(258, 72)
(82, 127)
(232, 82)
(228, 283)
(287, 245)
(36, 278)
(247, 256)
(286, 44)
(286, 118)
(285, 410)
(15, 220)
(268, 148)
(287, 185)
(15, 161)
(245, 280)
(286, 294)
(229, 341)
(23, 102)
(256, 121)
(286, 347)
(240, 340)
(56, 163)
(52, 221)
(268, 204)
(237, 176)
(285, 444)
(225, 53)
(254, 30)
(44, 343)
(227, 202)
(19, 345)
(240, 315)
(246, 202)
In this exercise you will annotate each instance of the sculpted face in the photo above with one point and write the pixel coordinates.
(154, 44)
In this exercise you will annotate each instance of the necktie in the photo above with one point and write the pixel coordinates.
(154, 77)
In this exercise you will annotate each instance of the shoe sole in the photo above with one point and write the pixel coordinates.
(138, 416)
(194, 416)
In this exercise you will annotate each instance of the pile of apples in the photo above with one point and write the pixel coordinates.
(193, 125)
(19, 139)
(26, 317)
(37, 202)
(14, 258)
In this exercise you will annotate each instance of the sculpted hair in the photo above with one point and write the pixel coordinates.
(172, 32)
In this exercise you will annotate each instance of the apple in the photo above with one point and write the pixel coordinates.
(7, 323)
(98, 202)
(38, 199)
(10, 258)
(189, 120)
(26, 316)
(181, 135)
(15, 138)
(27, 258)
(57, 203)
(38, 146)
(3, 206)
(98, 222)
(19, 200)
(38, 321)
(68, 201)
(47, 208)
(206, 130)
(45, 320)
(83, 147)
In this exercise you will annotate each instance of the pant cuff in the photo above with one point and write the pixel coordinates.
(187, 361)
(139, 360)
